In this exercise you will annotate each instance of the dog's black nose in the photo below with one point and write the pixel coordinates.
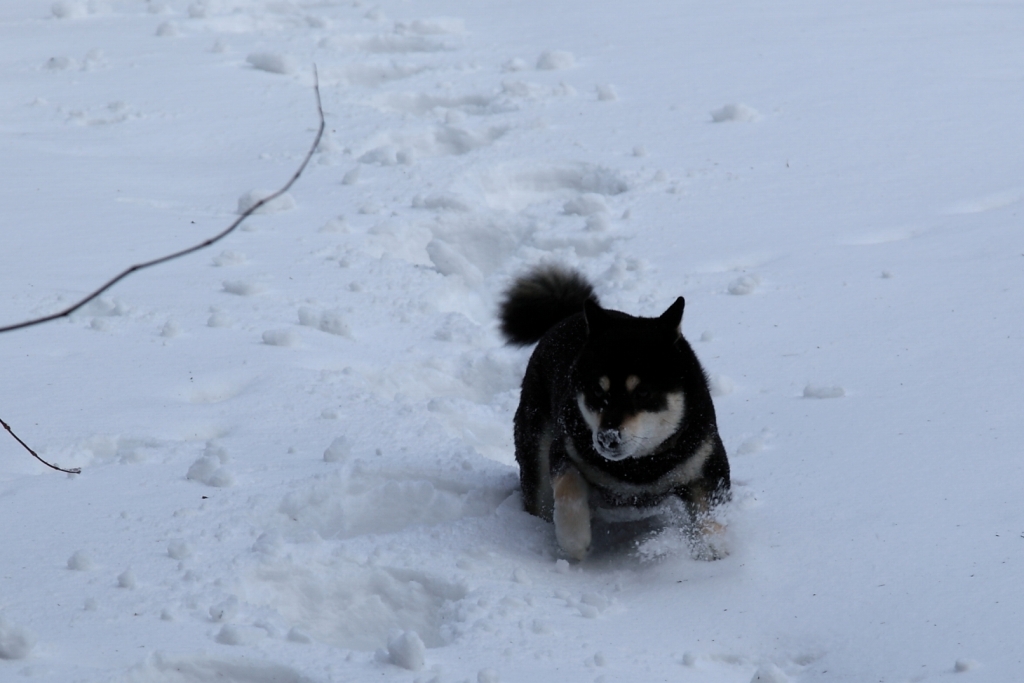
(609, 439)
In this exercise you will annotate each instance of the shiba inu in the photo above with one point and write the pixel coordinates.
(614, 411)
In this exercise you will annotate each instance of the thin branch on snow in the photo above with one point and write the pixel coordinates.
(178, 254)
(74, 470)
(185, 252)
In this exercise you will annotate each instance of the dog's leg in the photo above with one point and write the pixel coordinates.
(540, 501)
(702, 497)
(707, 534)
(533, 452)
(572, 513)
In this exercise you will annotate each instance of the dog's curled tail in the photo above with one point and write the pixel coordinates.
(539, 300)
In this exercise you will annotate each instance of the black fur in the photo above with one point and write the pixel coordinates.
(539, 301)
(580, 342)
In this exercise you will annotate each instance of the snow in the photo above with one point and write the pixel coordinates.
(339, 450)
(735, 112)
(126, 579)
(296, 447)
(15, 641)
(745, 284)
(555, 60)
(769, 674)
(963, 665)
(207, 469)
(80, 561)
(407, 651)
(284, 202)
(273, 62)
(607, 93)
(823, 391)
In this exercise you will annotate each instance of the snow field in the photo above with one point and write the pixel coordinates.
(297, 446)
(16, 642)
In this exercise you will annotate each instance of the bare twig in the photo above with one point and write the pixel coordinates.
(74, 470)
(185, 252)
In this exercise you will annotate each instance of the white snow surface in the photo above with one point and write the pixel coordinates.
(297, 445)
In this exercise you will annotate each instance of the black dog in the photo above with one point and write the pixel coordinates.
(614, 412)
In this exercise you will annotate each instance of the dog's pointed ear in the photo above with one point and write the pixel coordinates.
(597, 318)
(672, 318)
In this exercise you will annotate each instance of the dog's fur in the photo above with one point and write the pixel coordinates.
(614, 412)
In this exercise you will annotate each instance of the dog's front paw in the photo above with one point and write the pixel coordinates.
(572, 514)
(574, 546)
(707, 552)
(709, 543)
